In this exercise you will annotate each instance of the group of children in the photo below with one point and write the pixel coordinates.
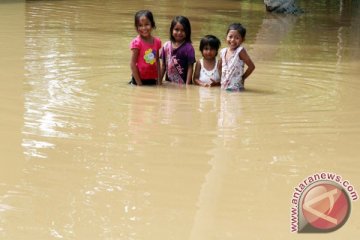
(178, 56)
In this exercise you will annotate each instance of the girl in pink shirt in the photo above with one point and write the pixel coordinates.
(144, 62)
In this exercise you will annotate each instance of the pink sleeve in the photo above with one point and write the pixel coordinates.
(135, 43)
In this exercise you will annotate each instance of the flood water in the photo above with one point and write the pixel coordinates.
(84, 155)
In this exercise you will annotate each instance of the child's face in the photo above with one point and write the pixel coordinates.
(144, 27)
(234, 39)
(208, 52)
(178, 33)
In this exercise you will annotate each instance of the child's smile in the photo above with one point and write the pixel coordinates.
(209, 53)
(179, 33)
(234, 39)
(144, 27)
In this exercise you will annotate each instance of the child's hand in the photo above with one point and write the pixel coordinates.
(213, 83)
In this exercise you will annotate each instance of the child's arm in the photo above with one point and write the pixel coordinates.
(219, 66)
(249, 63)
(162, 70)
(162, 63)
(189, 75)
(159, 80)
(197, 73)
(134, 69)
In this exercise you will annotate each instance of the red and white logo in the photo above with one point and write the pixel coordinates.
(321, 203)
(325, 207)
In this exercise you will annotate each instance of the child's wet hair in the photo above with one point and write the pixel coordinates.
(238, 27)
(184, 21)
(148, 14)
(211, 41)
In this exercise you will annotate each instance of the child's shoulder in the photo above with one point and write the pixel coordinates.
(187, 46)
(223, 51)
(167, 44)
(157, 39)
(136, 39)
(135, 42)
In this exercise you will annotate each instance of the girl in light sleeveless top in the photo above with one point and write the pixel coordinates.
(233, 59)
(208, 68)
